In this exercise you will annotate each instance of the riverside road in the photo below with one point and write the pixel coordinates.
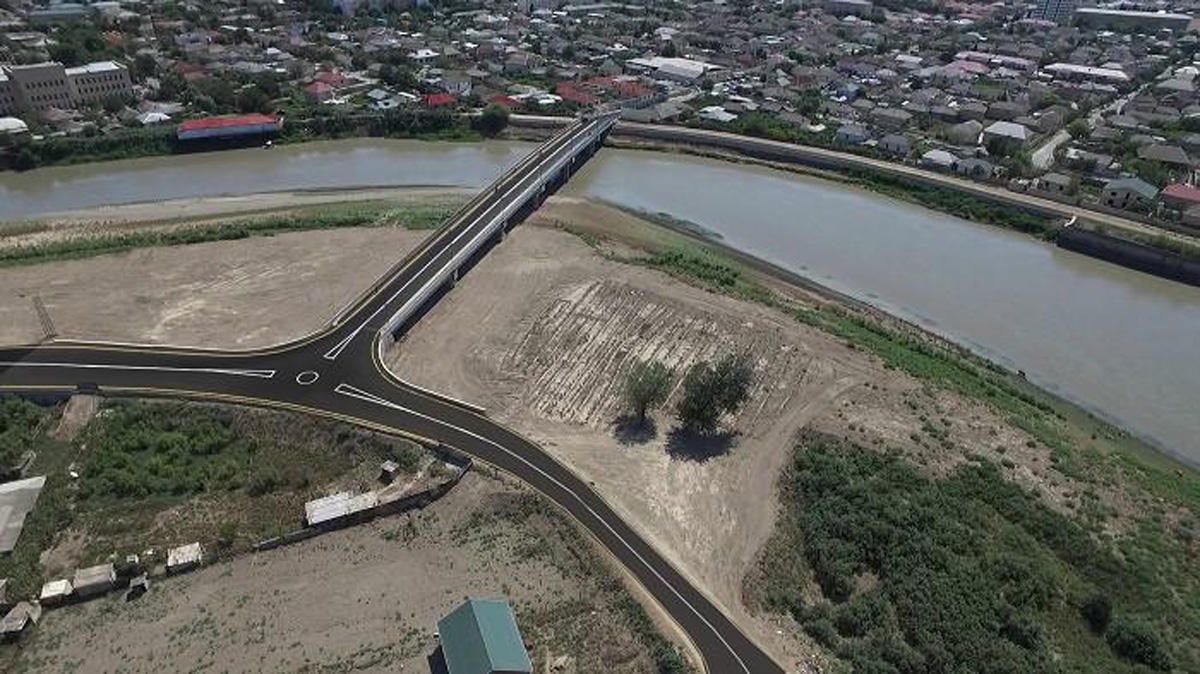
(338, 373)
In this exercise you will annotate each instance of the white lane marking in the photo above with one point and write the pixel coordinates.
(261, 374)
(307, 378)
(359, 394)
(336, 351)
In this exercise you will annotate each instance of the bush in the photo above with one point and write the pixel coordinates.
(1097, 611)
(1134, 639)
(227, 534)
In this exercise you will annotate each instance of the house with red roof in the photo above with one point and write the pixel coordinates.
(507, 102)
(1181, 196)
(332, 78)
(440, 100)
(571, 93)
(318, 92)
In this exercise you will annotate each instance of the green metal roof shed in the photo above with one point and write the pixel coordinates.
(481, 637)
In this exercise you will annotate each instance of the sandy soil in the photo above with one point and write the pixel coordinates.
(228, 294)
(366, 598)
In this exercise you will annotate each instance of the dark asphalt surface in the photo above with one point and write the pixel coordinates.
(336, 373)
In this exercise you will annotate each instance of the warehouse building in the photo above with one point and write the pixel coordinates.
(231, 126)
(481, 637)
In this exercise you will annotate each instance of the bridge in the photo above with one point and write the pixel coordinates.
(338, 373)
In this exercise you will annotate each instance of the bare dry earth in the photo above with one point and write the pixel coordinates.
(554, 328)
(228, 294)
(365, 599)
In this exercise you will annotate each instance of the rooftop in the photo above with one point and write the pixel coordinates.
(16, 500)
(97, 67)
(481, 636)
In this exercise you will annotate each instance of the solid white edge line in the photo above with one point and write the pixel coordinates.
(261, 374)
(359, 394)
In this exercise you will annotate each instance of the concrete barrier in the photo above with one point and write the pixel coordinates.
(1131, 254)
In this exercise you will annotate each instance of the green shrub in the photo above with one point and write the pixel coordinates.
(1097, 611)
(1135, 640)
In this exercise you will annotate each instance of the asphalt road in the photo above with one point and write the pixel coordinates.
(338, 373)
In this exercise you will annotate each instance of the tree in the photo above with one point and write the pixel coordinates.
(1079, 129)
(493, 120)
(647, 387)
(253, 99)
(734, 375)
(710, 392)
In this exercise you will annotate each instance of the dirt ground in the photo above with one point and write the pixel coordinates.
(228, 294)
(556, 326)
(366, 598)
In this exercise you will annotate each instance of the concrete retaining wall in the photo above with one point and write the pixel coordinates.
(1130, 254)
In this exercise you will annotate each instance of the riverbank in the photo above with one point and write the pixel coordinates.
(980, 202)
(157, 141)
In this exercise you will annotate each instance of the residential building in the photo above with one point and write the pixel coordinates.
(1128, 193)
(1170, 155)
(1054, 183)
(1129, 21)
(938, 159)
(481, 637)
(844, 7)
(50, 85)
(1058, 11)
(895, 144)
(974, 167)
(1007, 133)
(855, 134)
(1181, 197)
(892, 119)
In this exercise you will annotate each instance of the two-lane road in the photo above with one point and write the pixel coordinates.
(337, 372)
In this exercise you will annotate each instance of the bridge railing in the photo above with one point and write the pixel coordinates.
(478, 239)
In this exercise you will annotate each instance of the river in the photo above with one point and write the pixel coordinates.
(1117, 341)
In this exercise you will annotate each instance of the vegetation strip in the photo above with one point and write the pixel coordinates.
(416, 217)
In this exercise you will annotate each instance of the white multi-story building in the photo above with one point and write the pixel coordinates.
(50, 85)
(1058, 11)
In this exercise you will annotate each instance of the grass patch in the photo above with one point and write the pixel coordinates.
(895, 571)
(52, 512)
(155, 474)
(416, 217)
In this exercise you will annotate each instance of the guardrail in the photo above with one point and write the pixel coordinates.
(497, 222)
